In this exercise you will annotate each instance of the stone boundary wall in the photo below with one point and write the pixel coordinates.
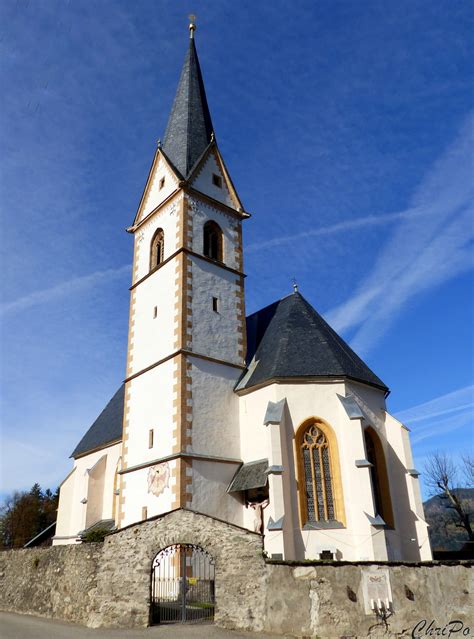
(327, 600)
(58, 582)
(123, 583)
(108, 585)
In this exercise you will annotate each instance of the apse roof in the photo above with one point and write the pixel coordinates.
(106, 429)
(189, 129)
(286, 339)
(290, 339)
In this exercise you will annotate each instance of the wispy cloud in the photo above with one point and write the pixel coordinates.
(340, 227)
(426, 249)
(440, 415)
(69, 287)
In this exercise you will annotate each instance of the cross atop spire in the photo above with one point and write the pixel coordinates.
(189, 129)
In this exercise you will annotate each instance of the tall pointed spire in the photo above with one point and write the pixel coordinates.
(189, 129)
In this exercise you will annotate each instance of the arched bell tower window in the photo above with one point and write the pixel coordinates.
(378, 476)
(213, 241)
(157, 249)
(319, 481)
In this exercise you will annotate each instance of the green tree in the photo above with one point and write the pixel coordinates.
(25, 514)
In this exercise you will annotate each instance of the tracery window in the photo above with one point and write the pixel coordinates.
(157, 249)
(212, 241)
(318, 482)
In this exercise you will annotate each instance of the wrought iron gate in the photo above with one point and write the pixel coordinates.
(182, 585)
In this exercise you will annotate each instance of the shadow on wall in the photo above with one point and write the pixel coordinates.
(405, 519)
(294, 544)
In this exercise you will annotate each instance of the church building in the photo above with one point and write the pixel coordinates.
(270, 422)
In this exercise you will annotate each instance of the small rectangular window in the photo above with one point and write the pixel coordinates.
(215, 304)
(155, 312)
(150, 438)
(144, 513)
(217, 180)
(162, 183)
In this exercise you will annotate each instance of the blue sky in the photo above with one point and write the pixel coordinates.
(347, 128)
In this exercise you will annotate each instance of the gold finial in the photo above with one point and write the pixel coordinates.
(192, 25)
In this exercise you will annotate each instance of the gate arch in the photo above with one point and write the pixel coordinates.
(182, 585)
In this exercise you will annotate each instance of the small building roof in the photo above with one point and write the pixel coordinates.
(290, 339)
(250, 475)
(44, 536)
(102, 525)
(106, 429)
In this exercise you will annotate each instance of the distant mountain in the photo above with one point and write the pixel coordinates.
(444, 534)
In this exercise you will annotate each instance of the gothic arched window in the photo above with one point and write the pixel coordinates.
(157, 249)
(378, 476)
(318, 502)
(212, 241)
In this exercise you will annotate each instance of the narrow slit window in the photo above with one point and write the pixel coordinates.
(155, 312)
(215, 304)
(217, 180)
(144, 512)
(162, 183)
(150, 438)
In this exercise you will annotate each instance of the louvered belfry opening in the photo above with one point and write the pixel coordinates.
(212, 241)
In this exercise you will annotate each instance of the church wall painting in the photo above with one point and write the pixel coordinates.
(149, 488)
(158, 478)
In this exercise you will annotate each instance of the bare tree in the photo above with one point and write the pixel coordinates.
(443, 478)
(468, 461)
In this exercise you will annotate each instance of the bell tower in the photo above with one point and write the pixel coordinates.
(187, 342)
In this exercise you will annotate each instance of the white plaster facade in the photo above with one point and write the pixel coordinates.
(187, 428)
(359, 539)
(87, 493)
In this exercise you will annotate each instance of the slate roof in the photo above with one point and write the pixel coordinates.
(107, 427)
(290, 339)
(189, 126)
(250, 475)
(286, 339)
(102, 524)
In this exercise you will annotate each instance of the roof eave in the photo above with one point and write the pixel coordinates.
(308, 379)
(112, 442)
